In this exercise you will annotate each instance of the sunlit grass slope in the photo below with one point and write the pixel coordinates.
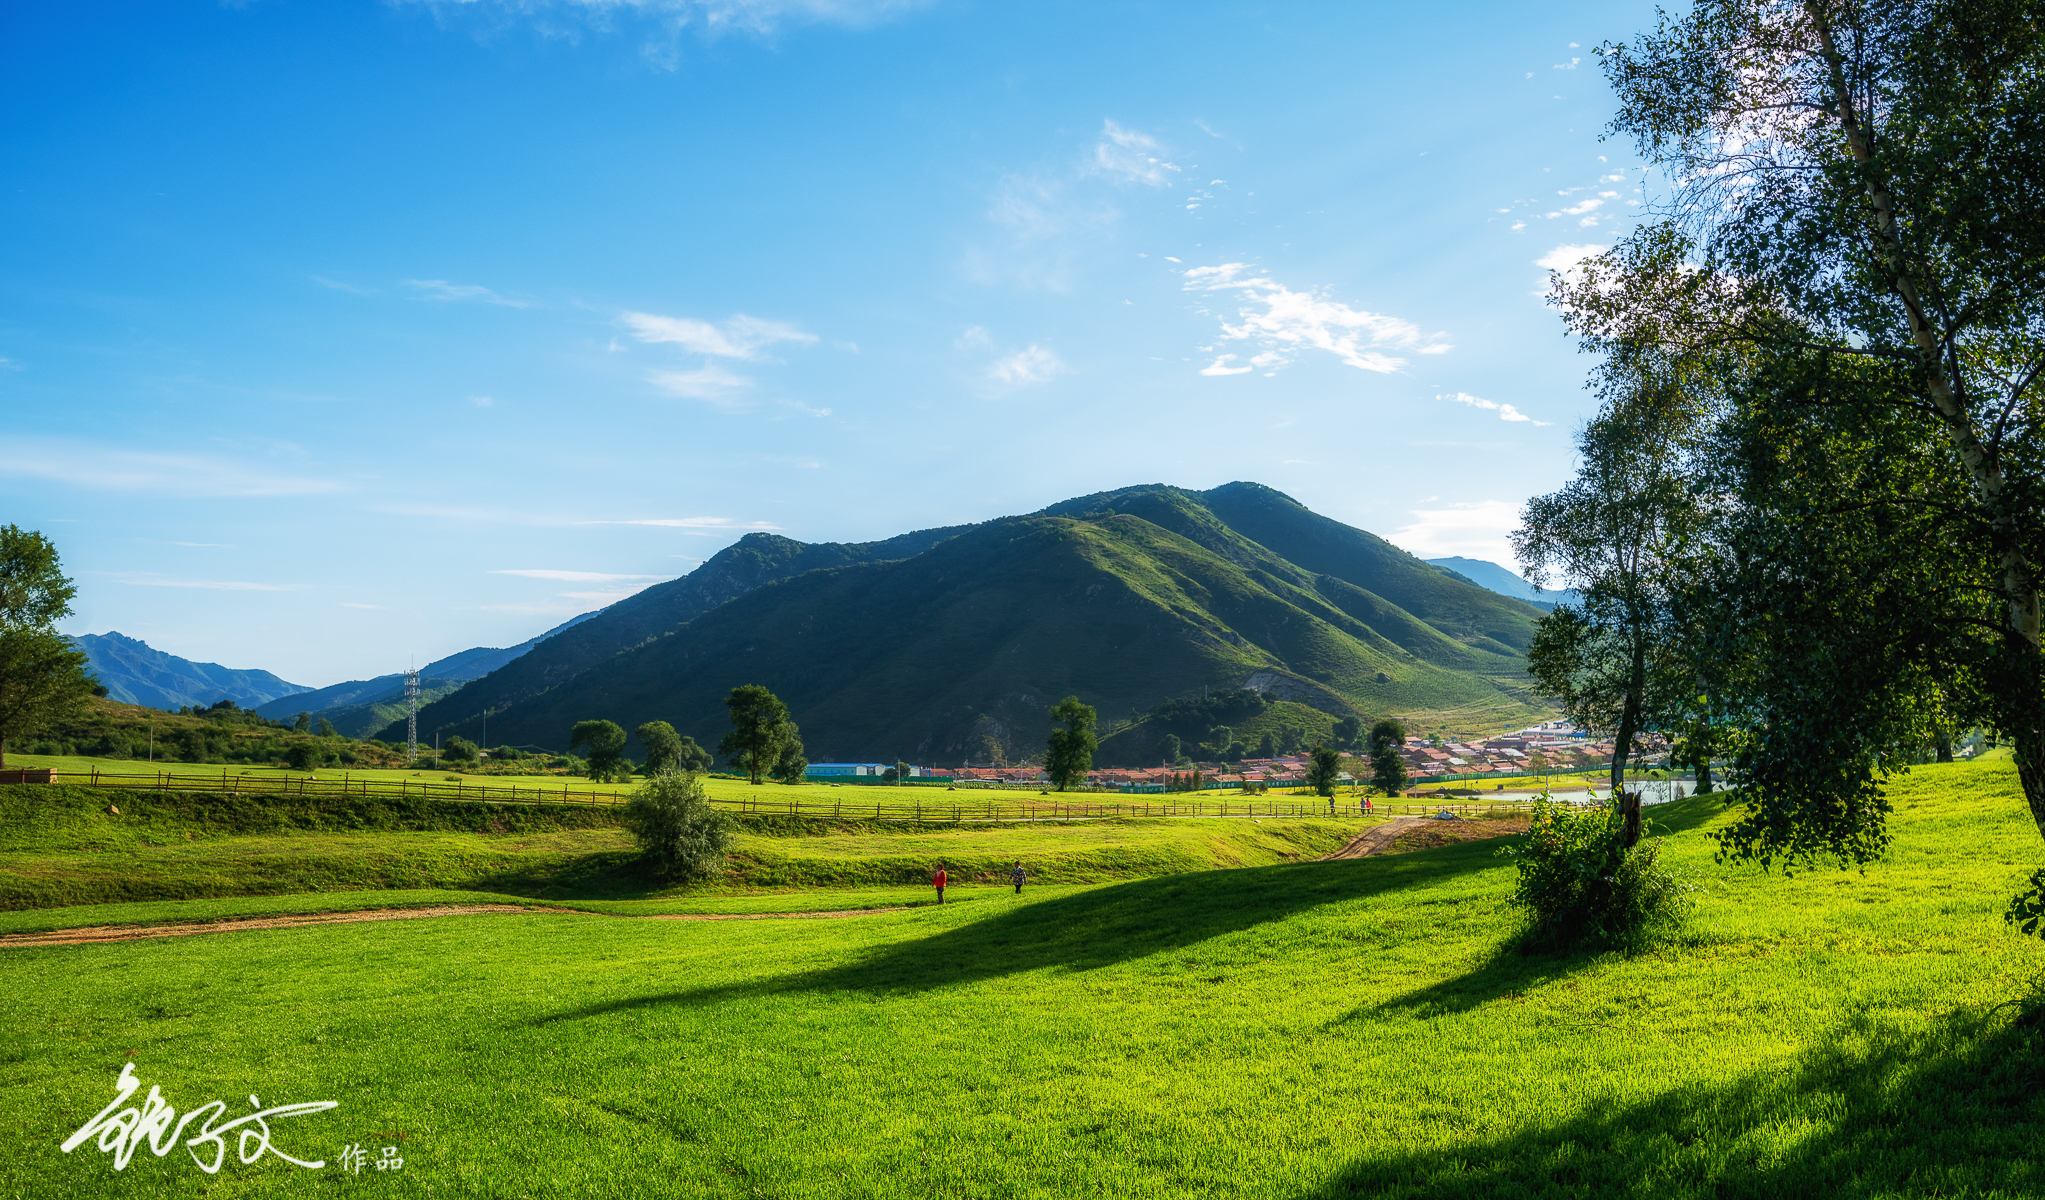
(65, 846)
(1326, 1029)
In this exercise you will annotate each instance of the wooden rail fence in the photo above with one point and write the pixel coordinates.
(909, 806)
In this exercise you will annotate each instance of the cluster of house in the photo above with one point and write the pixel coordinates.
(1555, 746)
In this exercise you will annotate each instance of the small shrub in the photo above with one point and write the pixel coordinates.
(304, 756)
(1580, 885)
(681, 837)
(459, 749)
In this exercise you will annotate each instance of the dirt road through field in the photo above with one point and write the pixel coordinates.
(1375, 840)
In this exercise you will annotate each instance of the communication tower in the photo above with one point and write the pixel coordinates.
(412, 715)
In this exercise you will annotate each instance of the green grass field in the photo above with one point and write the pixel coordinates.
(1357, 1027)
(64, 846)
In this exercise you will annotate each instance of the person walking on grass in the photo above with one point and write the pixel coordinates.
(938, 881)
(1017, 878)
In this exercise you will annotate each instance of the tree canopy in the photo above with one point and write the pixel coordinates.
(1845, 334)
(760, 730)
(1070, 753)
(606, 743)
(43, 677)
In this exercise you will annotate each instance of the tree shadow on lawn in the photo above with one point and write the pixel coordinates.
(1101, 927)
(1952, 1110)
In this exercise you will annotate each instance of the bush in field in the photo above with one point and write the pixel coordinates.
(305, 755)
(681, 837)
(1580, 885)
(459, 749)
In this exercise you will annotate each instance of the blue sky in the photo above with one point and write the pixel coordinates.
(338, 335)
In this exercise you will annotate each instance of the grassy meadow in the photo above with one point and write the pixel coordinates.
(1295, 1028)
(62, 846)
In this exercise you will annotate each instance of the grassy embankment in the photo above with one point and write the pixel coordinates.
(1322, 1029)
(63, 846)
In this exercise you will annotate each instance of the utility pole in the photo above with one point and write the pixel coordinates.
(483, 751)
(412, 716)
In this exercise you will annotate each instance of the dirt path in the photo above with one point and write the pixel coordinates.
(1427, 832)
(1375, 840)
(128, 933)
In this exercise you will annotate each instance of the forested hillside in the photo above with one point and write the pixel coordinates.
(958, 649)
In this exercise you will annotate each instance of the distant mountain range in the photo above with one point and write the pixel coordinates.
(134, 673)
(953, 643)
(362, 707)
(1505, 583)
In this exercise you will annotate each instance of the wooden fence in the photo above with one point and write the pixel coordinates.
(899, 804)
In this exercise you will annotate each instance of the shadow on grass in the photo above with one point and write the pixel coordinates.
(1100, 927)
(1954, 1110)
(609, 875)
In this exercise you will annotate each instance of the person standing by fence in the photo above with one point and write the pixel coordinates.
(938, 881)
(1017, 878)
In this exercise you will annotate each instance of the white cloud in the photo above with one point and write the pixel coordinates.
(665, 20)
(1025, 367)
(346, 604)
(1132, 157)
(1480, 530)
(1286, 322)
(740, 336)
(1568, 66)
(84, 464)
(575, 576)
(1220, 367)
(482, 402)
(1506, 412)
(1567, 260)
(441, 289)
(1583, 206)
(710, 382)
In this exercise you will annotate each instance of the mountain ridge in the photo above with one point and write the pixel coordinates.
(134, 672)
(1127, 598)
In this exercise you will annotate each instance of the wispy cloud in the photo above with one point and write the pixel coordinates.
(574, 576)
(337, 285)
(351, 604)
(1506, 412)
(662, 22)
(1480, 530)
(86, 465)
(210, 585)
(1025, 367)
(1131, 157)
(1286, 322)
(441, 289)
(739, 336)
(708, 382)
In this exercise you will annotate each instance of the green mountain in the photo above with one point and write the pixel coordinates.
(1127, 599)
(561, 655)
